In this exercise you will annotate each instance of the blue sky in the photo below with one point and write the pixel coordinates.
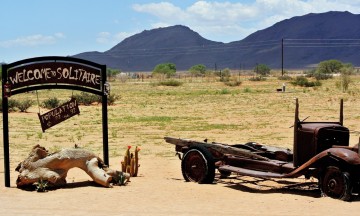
(32, 28)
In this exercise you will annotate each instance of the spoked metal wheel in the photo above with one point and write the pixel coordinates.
(198, 165)
(336, 184)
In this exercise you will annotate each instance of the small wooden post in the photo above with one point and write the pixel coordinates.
(342, 111)
(296, 121)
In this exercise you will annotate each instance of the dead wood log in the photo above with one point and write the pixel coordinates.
(53, 168)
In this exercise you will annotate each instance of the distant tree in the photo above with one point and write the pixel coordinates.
(167, 69)
(111, 73)
(330, 66)
(224, 74)
(262, 70)
(197, 70)
(326, 69)
(344, 81)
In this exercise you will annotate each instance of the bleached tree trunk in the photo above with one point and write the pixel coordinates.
(40, 165)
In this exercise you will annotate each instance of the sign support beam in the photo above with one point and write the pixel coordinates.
(5, 107)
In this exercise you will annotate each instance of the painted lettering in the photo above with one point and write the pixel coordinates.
(37, 74)
(47, 74)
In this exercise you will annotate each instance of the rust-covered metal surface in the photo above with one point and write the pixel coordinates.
(320, 150)
(286, 170)
(312, 138)
(247, 162)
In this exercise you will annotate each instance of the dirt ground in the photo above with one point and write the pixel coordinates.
(160, 190)
(146, 114)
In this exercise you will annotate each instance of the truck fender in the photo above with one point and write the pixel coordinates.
(342, 154)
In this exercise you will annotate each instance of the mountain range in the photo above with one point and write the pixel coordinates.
(296, 43)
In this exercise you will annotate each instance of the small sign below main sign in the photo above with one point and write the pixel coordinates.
(59, 114)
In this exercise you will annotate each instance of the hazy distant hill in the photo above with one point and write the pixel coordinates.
(308, 40)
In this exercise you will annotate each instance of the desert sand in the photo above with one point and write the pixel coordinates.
(160, 190)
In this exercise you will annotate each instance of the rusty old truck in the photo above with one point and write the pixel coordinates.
(320, 150)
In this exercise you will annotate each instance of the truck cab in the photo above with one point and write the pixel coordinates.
(311, 138)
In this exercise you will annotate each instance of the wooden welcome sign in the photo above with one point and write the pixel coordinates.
(53, 72)
(59, 114)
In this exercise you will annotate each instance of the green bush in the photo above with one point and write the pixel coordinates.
(12, 104)
(304, 82)
(50, 103)
(87, 99)
(170, 82)
(285, 77)
(223, 91)
(344, 79)
(112, 98)
(257, 78)
(24, 105)
(247, 90)
(321, 76)
(233, 83)
(318, 74)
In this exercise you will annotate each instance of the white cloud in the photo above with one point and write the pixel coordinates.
(59, 35)
(236, 20)
(103, 37)
(32, 40)
(109, 38)
(221, 11)
(161, 10)
(121, 36)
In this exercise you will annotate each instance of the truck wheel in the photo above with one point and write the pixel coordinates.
(224, 174)
(336, 184)
(198, 165)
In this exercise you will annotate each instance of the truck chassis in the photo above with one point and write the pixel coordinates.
(320, 150)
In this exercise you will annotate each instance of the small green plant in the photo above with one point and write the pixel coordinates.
(247, 90)
(51, 103)
(24, 105)
(285, 77)
(12, 105)
(55, 148)
(39, 135)
(345, 80)
(257, 78)
(122, 179)
(170, 82)
(233, 83)
(114, 133)
(41, 185)
(28, 135)
(112, 98)
(79, 135)
(71, 139)
(223, 91)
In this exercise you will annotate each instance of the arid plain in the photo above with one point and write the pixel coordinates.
(200, 108)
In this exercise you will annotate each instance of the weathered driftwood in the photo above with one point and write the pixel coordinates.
(53, 168)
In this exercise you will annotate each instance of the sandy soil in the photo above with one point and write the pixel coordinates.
(160, 190)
